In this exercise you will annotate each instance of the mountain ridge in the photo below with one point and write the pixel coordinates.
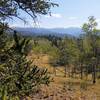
(72, 31)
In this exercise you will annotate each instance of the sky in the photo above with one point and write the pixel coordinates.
(70, 13)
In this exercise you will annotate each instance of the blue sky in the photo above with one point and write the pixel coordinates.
(70, 13)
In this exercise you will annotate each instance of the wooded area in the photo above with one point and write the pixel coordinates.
(19, 76)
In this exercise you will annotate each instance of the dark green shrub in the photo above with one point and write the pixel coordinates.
(18, 76)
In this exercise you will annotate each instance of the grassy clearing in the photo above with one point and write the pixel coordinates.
(65, 88)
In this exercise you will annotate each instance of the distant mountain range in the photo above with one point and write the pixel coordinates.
(72, 31)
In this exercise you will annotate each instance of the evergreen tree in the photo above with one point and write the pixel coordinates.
(91, 45)
(18, 76)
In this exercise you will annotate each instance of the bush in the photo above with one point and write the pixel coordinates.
(18, 76)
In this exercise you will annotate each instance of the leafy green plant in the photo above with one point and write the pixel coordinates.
(18, 76)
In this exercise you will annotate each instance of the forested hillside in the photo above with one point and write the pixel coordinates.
(47, 67)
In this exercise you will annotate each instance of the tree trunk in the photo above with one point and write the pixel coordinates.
(81, 71)
(86, 72)
(94, 74)
(73, 73)
(65, 71)
(54, 70)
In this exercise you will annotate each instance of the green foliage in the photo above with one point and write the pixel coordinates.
(18, 76)
(90, 27)
(67, 52)
(81, 53)
(91, 40)
(91, 45)
(10, 8)
(43, 47)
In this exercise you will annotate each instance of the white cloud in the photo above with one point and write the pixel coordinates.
(72, 18)
(98, 20)
(73, 25)
(54, 15)
(47, 16)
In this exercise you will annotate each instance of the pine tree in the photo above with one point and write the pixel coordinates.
(18, 76)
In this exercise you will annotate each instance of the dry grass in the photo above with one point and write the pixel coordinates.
(64, 88)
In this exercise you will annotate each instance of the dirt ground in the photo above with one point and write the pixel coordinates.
(64, 88)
